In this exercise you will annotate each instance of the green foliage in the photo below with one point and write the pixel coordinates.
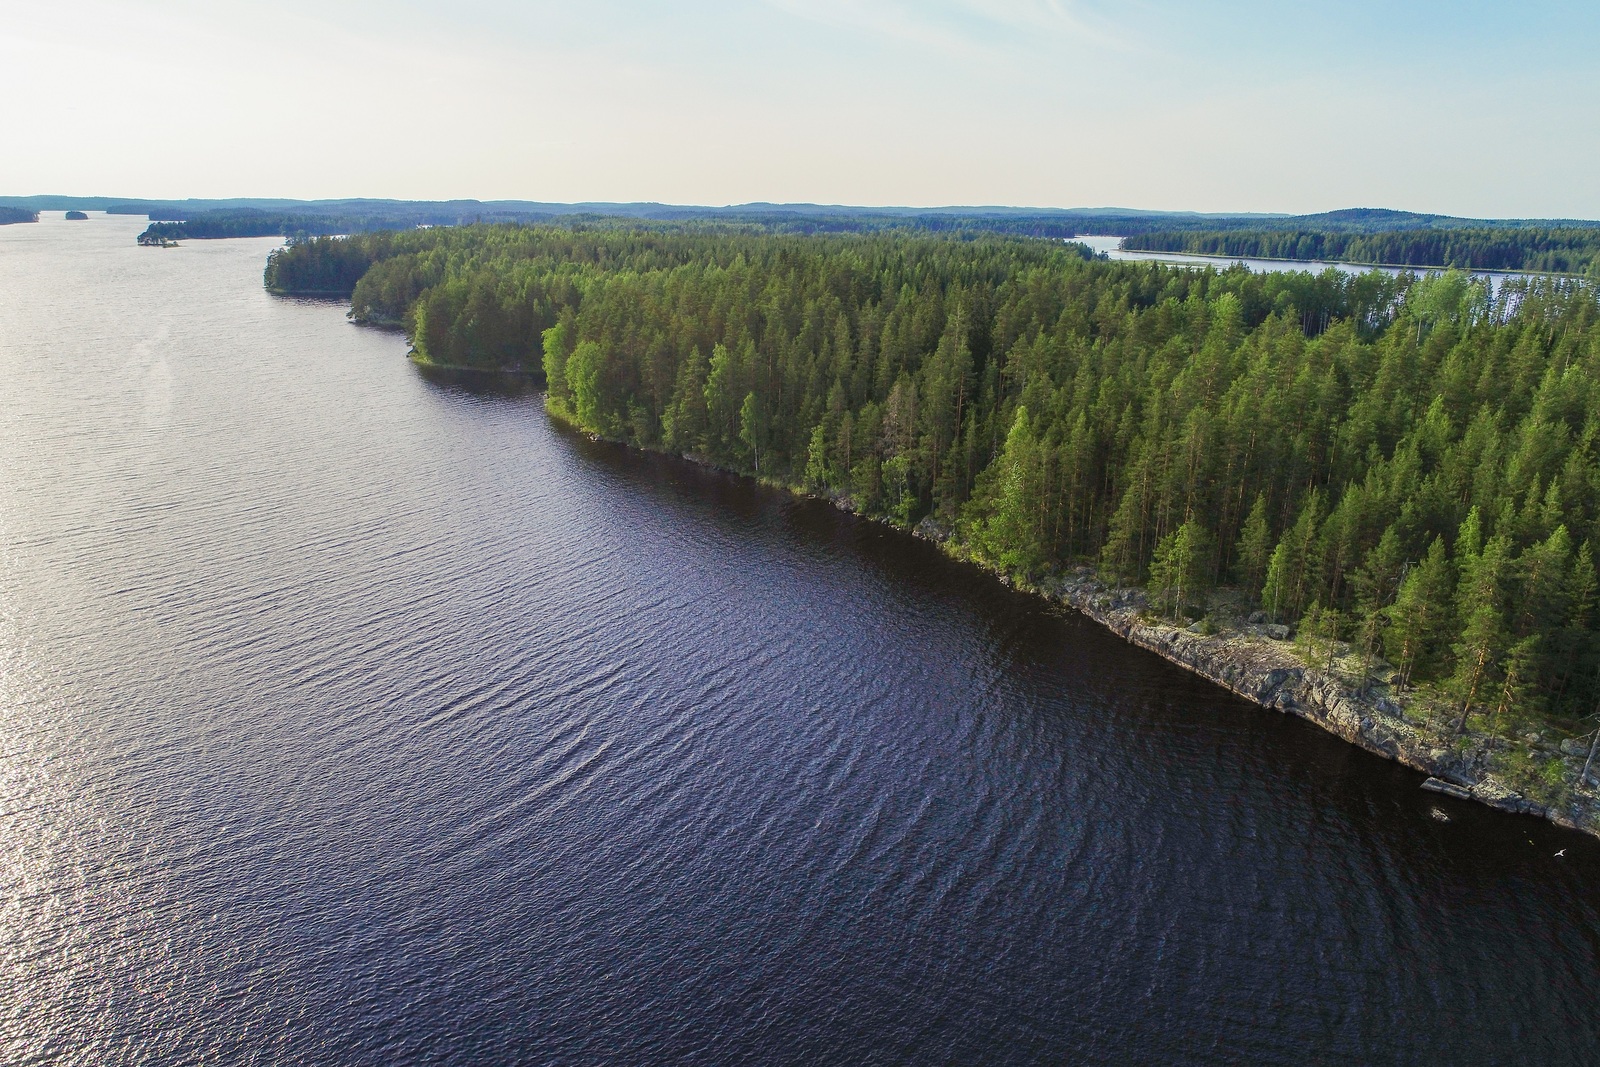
(1255, 546)
(1421, 614)
(584, 368)
(1417, 461)
(1179, 568)
(1004, 518)
(322, 265)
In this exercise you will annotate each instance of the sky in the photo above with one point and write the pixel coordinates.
(1465, 108)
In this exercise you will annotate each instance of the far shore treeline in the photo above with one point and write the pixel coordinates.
(1355, 235)
(1563, 250)
(1412, 463)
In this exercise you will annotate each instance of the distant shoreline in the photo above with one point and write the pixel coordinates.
(1156, 253)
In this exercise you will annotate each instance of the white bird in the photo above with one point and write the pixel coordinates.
(1561, 854)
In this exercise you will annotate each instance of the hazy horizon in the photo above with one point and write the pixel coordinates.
(1464, 109)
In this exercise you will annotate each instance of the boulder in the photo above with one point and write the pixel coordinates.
(1276, 630)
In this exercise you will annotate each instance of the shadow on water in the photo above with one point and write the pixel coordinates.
(482, 384)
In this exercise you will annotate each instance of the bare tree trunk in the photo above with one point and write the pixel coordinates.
(1472, 691)
(1594, 744)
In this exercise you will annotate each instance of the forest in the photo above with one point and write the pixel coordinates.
(1562, 250)
(10, 215)
(1411, 464)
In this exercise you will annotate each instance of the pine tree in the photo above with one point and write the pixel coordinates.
(1376, 584)
(1255, 546)
(1009, 535)
(1483, 634)
(1179, 566)
(1575, 639)
(1275, 593)
(1518, 674)
(1421, 611)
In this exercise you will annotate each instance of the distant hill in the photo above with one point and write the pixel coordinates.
(1359, 235)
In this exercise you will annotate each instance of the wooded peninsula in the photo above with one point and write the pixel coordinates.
(1405, 470)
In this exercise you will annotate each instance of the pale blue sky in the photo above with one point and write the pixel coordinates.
(1467, 108)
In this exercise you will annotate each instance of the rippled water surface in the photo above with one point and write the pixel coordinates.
(352, 717)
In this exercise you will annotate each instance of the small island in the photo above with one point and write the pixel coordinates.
(76, 216)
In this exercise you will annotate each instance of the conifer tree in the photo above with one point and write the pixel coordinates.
(1178, 567)
(1483, 633)
(1421, 611)
(1255, 546)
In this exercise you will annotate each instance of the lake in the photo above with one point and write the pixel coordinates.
(350, 715)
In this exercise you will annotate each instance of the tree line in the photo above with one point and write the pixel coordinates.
(1410, 464)
(1564, 250)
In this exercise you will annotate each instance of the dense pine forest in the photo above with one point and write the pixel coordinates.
(1569, 250)
(1410, 464)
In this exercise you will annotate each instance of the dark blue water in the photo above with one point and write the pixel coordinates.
(353, 717)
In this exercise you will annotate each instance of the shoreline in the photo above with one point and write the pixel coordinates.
(1249, 663)
(1269, 674)
(429, 364)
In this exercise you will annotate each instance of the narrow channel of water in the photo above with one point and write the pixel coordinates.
(353, 716)
(1111, 247)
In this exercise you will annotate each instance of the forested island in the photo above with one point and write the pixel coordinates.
(1404, 472)
(9, 215)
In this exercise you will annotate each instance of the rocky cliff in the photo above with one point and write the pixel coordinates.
(1257, 663)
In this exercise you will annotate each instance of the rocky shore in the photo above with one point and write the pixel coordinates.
(1258, 663)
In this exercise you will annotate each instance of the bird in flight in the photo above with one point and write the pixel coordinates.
(1561, 854)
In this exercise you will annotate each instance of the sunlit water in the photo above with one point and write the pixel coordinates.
(349, 717)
